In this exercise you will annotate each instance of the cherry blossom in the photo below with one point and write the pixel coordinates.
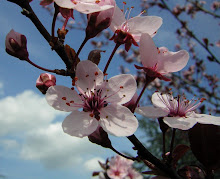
(121, 168)
(100, 100)
(177, 112)
(129, 30)
(83, 6)
(160, 61)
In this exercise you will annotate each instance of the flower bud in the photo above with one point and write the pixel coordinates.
(98, 21)
(44, 81)
(16, 45)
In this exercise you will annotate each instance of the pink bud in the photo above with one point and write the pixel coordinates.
(16, 45)
(98, 21)
(44, 81)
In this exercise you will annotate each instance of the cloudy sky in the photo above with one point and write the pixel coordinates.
(32, 143)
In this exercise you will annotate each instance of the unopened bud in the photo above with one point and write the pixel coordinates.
(98, 21)
(100, 137)
(16, 45)
(44, 81)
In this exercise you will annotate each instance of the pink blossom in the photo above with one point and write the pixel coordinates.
(16, 45)
(121, 168)
(100, 100)
(83, 6)
(160, 61)
(44, 81)
(177, 112)
(130, 30)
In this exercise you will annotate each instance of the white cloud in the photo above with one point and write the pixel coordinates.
(93, 164)
(55, 149)
(24, 112)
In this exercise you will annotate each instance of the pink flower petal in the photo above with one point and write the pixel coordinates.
(117, 20)
(208, 119)
(144, 24)
(148, 51)
(120, 89)
(118, 120)
(171, 61)
(183, 123)
(79, 124)
(161, 101)
(88, 75)
(63, 98)
(151, 112)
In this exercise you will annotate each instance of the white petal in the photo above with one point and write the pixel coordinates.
(148, 51)
(144, 24)
(120, 89)
(79, 124)
(183, 123)
(65, 3)
(63, 98)
(171, 61)
(88, 8)
(151, 111)
(88, 75)
(118, 120)
(117, 20)
(162, 100)
(208, 119)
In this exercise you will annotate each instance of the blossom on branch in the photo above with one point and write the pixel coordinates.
(83, 6)
(160, 61)
(100, 99)
(177, 112)
(44, 81)
(128, 31)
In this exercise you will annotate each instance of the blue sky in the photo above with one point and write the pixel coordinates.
(32, 143)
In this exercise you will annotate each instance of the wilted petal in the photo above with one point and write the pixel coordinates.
(120, 89)
(183, 123)
(148, 51)
(118, 120)
(208, 119)
(63, 98)
(151, 112)
(171, 61)
(144, 24)
(79, 124)
(88, 75)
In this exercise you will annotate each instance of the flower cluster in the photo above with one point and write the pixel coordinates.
(119, 168)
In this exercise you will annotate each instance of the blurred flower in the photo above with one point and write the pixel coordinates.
(100, 100)
(128, 31)
(16, 45)
(177, 112)
(44, 81)
(160, 61)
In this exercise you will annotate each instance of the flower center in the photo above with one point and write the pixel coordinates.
(93, 102)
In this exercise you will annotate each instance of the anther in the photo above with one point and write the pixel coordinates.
(63, 98)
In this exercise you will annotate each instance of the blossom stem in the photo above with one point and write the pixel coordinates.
(172, 143)
(54, 21)
(164, 143)
(144, 154)
(81, 46)
(110, 58)
(44, 69)
(130, 158)
(148, 81)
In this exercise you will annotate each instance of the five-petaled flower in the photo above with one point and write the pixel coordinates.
(100, 100)
(177, 112)
(128, 31)
(160, 61)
